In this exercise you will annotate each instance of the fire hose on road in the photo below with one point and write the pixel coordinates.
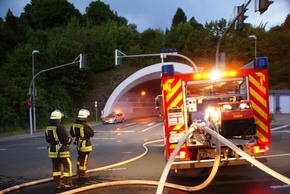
(161, 183)
(211, 176)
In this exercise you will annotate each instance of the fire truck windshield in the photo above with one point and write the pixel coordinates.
(226, 90)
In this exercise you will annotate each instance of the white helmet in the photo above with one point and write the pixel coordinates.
(83, 113)
(56, 114)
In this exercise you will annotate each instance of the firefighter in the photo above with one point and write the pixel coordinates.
(82, 133)
(58, 150)
(157, 105)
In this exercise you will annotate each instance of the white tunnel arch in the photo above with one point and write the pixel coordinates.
(146, 74)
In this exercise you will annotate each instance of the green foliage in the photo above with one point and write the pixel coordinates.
(45, 14)
(151, 40)
(14, 88)
(61, 34)
(217, 28)
(99, 13)
(178, 18)
(8, 36)
(179, 37)
(279, 70)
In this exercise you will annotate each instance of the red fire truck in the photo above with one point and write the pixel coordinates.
(237, 100)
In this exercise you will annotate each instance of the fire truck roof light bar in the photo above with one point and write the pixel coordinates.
(212, 81)
(214, 75)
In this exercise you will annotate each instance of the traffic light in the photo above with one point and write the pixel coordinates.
(118, 57)
(28, 102)
(263, 5)
(83, 61)
(28, 99)
(242, 17)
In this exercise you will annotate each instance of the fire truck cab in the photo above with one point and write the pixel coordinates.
(236, 101)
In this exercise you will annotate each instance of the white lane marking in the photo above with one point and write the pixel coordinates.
(277, 128)
(285, 131)
(151, 127)
(273, 156)
(104, 138)
(115, 131)
(3, 149)
(126, 152)
(279, 186)
(151, 123)
(41, 148)
(127, 125)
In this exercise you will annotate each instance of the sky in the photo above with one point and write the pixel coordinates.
(159, 13)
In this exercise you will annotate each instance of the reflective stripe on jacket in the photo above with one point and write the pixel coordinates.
(82, 143)
(52, 138)
(56, 149)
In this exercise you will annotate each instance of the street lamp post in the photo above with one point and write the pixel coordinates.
(217, 54)
(81, 61)
(33, 90)
(253, 37)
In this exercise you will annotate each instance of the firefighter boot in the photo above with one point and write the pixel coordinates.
(83, 175)
(68, 183)
(58, 183)
(78, 170)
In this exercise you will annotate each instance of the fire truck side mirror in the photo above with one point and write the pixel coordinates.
(261, 63)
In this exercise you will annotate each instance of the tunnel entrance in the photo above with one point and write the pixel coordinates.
(127, 96)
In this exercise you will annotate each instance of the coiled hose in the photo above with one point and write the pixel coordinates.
(32, 183)
(162, 183)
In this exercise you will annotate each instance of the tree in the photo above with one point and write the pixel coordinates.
(133, 27)
(11, 21)
(179, 37)
(178, 18)
(195, 24)
(45, 14)
(9, 35)
(14, 88)
(286, 24)
(151, 40)
(100, 13)
(279, 57)
(60, 33)
(217, 27)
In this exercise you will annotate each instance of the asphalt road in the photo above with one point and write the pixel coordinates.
(24, 160)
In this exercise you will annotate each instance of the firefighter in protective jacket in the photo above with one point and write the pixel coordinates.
(82, 133)
(58, 150)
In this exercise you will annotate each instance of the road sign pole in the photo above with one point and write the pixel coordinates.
(96, 109)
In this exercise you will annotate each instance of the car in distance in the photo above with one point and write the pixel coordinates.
(114, 118)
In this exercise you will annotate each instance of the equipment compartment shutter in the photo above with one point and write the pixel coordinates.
(285, 103)
(272, 104)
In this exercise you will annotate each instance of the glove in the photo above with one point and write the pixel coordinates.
(69, 141)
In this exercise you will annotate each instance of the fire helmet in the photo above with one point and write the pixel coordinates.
(56, 114)
(83, 113)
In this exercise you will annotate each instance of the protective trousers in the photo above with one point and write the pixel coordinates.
(57, 164)
(82, 161)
